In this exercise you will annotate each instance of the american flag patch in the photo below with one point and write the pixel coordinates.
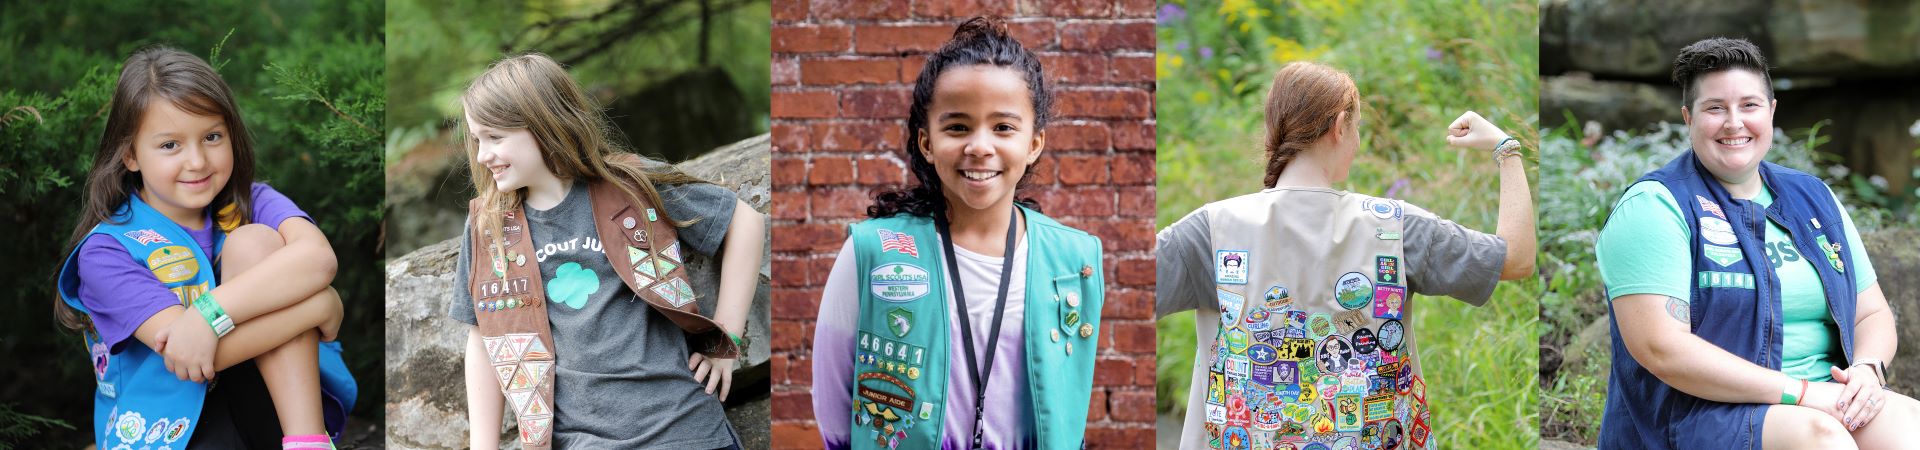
(1710, 206)
(899, 242)
(147, 237)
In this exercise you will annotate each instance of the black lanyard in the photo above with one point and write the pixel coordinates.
(978, 372)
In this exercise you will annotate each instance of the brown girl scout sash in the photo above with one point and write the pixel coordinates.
(511, 302)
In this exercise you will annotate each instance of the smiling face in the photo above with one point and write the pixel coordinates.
(981, 136)
(184, 160)
(1730, 123)
(511, 155)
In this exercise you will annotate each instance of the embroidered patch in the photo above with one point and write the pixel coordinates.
(1392, 433)
(176, 430)
(1390, 335)
(517, 344)
(672, 252)
(1346, 322)
(1230, 304)
(899, 282)
(147, 237)
(130, 425)
(533, 430)
(1278, 298)
(1346, 412)
(505, 373)
(1724, 256)
(900, 322)
(1259, 319)
(1353, 290)
(1710, 207)
(1335, 353)
(1364, 341)
(1386, 269)
(493, 346)
(173, 264)
(891, 241)
(159, 429)
(537, 371)
(1381, 208)
(1262, 353)
(1384, 235)
(675, 291)
(1319, 326)
(1726, 280)
(1230, 266)
(1717, 231)
(1294, 349)
(537, 351)
(1388, 301)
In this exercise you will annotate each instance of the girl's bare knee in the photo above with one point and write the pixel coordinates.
(248, 245)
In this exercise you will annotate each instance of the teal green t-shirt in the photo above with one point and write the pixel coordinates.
(1645, 249)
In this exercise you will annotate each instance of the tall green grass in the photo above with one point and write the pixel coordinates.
(1418, 65)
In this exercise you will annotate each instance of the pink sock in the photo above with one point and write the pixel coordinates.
(306, 441)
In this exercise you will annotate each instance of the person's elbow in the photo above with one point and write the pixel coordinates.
(1664, 358)
(1517, 267)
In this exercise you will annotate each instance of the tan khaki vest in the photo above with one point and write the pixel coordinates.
(511, 301)
(1308, 341)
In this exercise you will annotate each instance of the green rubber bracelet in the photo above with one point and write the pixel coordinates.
(739, 341)
(216, 317)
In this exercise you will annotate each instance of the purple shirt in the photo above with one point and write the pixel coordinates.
(123, 293)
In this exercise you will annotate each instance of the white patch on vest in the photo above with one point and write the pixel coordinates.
(1381, 208)
(899, 282)
(1717, 231)
(1724, 256)
(1230, 266)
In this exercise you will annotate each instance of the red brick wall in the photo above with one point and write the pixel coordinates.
(842, 76)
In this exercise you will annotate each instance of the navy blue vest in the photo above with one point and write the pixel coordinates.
(1735, 306)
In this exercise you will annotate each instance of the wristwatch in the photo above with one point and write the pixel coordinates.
(1879, 368)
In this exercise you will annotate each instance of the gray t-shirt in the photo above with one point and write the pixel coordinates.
(1443, 258)
(622, 378)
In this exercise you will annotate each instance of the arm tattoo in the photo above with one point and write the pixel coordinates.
(1680, 310)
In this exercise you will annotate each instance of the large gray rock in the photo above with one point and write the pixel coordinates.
(426, 399)
(1637, 38)
(1614, 104)
(1894, 257)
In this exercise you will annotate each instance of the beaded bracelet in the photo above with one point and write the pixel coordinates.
(1508, 147)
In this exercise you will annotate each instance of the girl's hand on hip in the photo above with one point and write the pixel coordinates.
(189, 347)
(1862, 399)
(1473, 132)
(716, 373)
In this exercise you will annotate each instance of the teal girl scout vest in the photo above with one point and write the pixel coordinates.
(137, 403)
(900, 367)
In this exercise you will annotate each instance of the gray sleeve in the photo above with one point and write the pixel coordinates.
(461, 307)
(1182, 267)
(710, 206)
(1444, 258)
